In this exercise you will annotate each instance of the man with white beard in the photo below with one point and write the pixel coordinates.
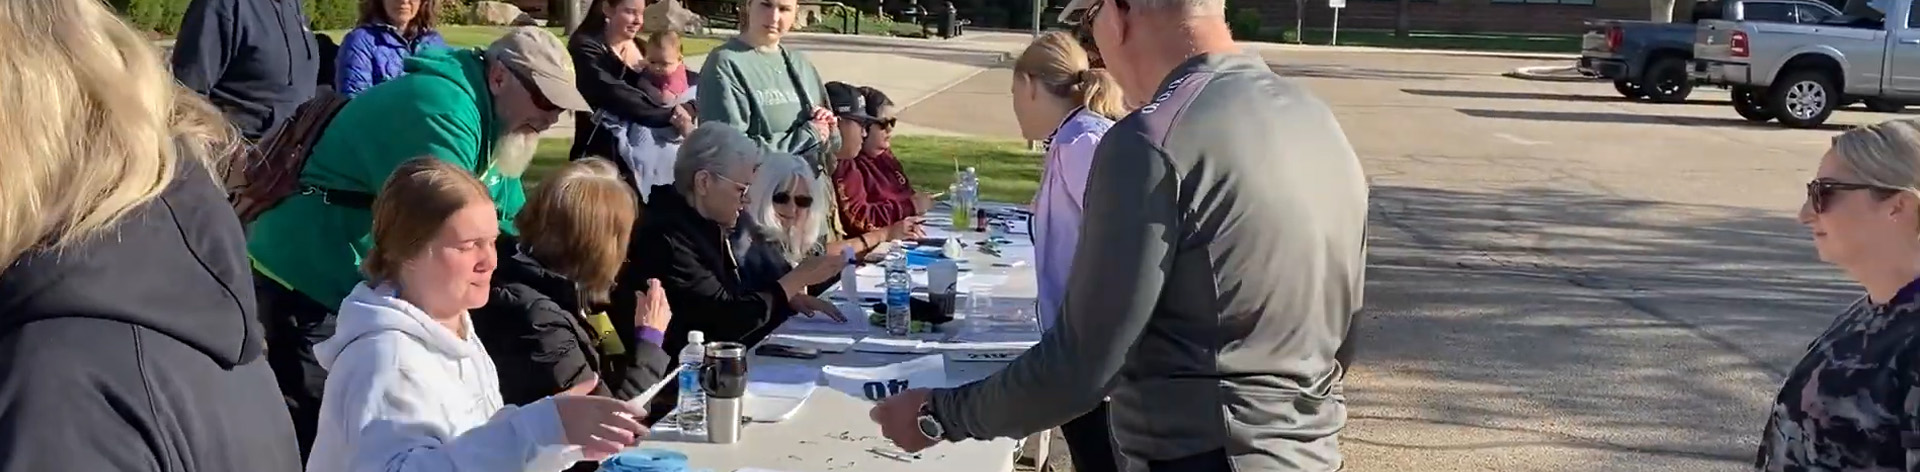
(483, 110)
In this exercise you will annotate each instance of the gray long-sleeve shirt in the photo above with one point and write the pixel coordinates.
(1222, 255)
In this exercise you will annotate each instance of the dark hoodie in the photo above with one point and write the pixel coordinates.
(535, 331)
(690, 255)
(255, 59)
(139, 350)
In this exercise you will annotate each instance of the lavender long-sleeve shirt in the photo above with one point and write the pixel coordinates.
(1056, 208)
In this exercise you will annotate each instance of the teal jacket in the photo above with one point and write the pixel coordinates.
(440, 108)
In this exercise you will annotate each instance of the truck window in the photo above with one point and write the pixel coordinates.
(1809, 14)
(1768, 11)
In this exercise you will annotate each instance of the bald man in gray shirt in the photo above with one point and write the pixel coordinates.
(1221, 260)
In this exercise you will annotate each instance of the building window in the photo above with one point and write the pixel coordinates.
(1545, 2)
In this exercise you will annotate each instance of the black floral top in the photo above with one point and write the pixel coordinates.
(1853, 403)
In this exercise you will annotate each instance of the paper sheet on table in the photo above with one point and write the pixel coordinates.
(856, 322)
(822, 342)
(776, 391)
(873, 281)
(878, 383)
(687, 96)
(887, 345)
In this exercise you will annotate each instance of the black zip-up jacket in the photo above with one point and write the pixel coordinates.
(533, 328)
(140, 350)
(611, 87)
(690, 256)
(255, 59)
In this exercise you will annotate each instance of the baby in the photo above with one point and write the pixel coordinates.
(665, 67)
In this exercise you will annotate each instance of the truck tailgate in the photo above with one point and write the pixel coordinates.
(1597, 41)
(1713, 41)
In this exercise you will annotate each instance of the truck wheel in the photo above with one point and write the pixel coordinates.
(1666, 81)
(1751, 105)
(1803, 98)
(1884, 106)
(1628, 89)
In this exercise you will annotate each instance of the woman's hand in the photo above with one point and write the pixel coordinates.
(652, 310)
(807, 305)
(922, 202)
(682, 121)
(909, 227)
(601, 426)
(824, 122)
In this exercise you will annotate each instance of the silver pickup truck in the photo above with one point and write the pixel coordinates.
(1800, 73)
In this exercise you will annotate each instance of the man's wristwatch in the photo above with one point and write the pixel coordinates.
(929, 425)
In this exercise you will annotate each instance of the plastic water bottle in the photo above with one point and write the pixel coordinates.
(899, 295)
(692, 416)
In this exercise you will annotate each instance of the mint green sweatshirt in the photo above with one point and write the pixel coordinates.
(754, 91)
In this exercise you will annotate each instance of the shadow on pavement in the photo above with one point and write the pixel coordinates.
(1731, 121)
(1336, 71)
(1609, 333)
(1540, 96)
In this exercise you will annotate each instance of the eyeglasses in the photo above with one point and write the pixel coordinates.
(539, 99)
(736, 183)
(1820, 191)
(883, 123)
(801, 201)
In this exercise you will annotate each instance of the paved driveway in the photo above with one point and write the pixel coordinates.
(1563, 280)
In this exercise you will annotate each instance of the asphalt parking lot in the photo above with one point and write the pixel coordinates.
(1565, 280)
(1560, 279)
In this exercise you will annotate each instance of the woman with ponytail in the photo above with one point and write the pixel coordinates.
(1058, 97)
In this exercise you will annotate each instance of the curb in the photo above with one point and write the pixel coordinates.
(1550, 74)
(1386, 50)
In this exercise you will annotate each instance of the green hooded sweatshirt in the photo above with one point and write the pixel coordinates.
(442, 108)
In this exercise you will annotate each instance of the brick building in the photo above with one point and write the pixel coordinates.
(1462, 16)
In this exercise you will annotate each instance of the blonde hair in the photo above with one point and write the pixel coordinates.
(92, 125)
(412, 206)
(578, 223)
(1062, 68)
(775, 176)
(1885, 154)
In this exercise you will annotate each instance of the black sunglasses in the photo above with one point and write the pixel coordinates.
(1819, 192)
(801, 201)
(883, 123)
(539, 99)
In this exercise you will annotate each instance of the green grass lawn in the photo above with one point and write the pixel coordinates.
(464, 36)
(1438, 40)
(1008, 171)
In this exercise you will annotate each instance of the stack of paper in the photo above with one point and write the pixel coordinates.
(825, 343)
(775, 392)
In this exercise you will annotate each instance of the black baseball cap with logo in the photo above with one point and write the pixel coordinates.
(848, 102)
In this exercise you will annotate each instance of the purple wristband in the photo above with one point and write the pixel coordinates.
(652, 336)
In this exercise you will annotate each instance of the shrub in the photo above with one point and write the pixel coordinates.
(1245, 23)
(331, 14)
(455, 12)
(161, 16)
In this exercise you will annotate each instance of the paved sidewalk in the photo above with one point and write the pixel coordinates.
(909, 70)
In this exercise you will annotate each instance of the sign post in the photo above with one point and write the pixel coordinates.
(1336, 5)
(1038, 7)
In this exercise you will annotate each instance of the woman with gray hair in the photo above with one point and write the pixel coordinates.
(1849, 404)
(682, 241)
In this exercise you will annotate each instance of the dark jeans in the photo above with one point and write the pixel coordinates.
(1210, 461)
(1090, 442)
(294, 323)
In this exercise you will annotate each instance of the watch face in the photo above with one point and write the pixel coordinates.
(931, 427)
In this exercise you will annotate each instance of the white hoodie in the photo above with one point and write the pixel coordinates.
(404, 394)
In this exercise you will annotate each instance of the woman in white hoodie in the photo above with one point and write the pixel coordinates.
(410, 388)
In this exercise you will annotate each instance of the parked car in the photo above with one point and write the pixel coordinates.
(1800, 73)
(1650, 60)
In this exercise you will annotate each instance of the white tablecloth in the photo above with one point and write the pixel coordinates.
(831, 431)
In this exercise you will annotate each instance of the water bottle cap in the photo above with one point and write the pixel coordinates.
(969, 170)
(696, 337)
